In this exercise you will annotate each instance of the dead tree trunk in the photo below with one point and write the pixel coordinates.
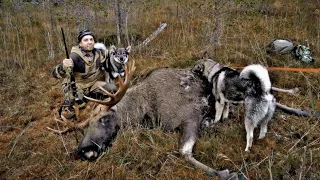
(117, 14)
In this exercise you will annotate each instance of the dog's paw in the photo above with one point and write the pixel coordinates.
(223, 174)
(225, 118)
(212, 125)
(216, 121)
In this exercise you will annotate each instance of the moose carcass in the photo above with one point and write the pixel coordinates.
(171, 98)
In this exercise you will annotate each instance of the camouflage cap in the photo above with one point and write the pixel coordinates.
(84, 33)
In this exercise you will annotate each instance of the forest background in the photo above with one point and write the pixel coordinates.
(234, 33)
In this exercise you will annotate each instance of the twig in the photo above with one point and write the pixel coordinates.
(270, 165)
(226, 158)
(5, 128)
(244, 162)
(163, 164)
(62, 138)
(173, 158)
(303, 136)
(16, 140)
(303, 162)
(309, 90)
(257, 165)
(311, 163)
(88, 170)
(315, 142)
(58, 162)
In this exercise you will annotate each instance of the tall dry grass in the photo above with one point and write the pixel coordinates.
(236, 35)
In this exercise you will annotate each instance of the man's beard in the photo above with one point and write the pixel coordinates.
(88, 48)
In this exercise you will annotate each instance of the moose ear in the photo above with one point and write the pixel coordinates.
(128, 49)
(113, 109)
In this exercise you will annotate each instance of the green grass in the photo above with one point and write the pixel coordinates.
(31, 45)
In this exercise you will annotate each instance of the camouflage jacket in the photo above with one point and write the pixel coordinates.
(87, 70)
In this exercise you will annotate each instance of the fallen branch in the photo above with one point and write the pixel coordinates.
(153, 35)
(16, 140)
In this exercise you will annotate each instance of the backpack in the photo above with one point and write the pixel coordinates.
(280, 46)
(302, 53)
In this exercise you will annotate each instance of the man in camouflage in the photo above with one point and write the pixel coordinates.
(88, 66)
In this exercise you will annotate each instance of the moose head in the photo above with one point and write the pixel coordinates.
(103, 126)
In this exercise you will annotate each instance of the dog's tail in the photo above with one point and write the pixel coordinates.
(258, 75)
(100, 46)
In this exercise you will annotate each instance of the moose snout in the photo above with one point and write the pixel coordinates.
(98, 138)
(89, 153)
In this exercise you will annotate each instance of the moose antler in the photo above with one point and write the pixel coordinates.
(71, 126)
(122, 88)
(108, 103)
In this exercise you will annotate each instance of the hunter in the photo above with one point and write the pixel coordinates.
(88, 66)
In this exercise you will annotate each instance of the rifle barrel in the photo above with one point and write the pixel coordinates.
(65, 44)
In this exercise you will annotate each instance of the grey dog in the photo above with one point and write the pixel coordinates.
(118, 58)
(252, 86)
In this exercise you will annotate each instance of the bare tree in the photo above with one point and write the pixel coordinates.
(219, 11)
(117, 14)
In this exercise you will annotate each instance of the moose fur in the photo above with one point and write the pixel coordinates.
(170, 98)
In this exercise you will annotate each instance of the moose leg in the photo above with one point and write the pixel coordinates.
(187, 141)
(290, 91)
(298, 112)
(188, 137)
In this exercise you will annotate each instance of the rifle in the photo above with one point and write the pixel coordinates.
(74, 98)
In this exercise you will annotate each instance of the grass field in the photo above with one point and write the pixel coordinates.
(233, 33)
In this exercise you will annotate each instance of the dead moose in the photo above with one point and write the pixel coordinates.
(171, 98)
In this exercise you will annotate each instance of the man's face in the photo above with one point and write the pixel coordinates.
(87, 43)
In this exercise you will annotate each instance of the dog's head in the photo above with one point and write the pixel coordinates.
(203, 67)
(119, 55)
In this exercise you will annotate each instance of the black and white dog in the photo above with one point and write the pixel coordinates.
(252, 86)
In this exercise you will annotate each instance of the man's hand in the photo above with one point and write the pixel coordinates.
(67, 63)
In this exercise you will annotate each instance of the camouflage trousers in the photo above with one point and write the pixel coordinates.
(68, 109)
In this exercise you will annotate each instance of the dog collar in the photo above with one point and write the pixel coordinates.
(216, 68)
(115, 74)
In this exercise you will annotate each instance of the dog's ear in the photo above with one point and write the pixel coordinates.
(205, 55)
(128, 49)
(112, 49)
